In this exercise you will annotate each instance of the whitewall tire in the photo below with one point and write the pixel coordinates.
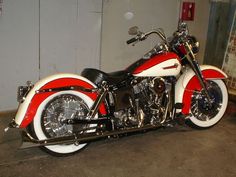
(38, 130)
(201, 115)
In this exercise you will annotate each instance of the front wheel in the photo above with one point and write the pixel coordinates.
(204, 115)
(49, 120)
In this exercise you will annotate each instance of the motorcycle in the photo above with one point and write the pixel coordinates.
(62, 113)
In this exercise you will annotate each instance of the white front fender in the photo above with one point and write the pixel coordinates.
(188, 82)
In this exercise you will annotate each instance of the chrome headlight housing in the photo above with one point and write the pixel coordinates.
(195, 46)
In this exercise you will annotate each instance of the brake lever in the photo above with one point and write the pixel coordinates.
(142, 37)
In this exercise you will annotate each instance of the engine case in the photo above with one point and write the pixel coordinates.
(122, 98)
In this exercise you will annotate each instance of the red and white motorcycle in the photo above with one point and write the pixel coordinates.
(63, 112)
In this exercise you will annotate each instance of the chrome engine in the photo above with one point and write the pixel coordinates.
(147, 103)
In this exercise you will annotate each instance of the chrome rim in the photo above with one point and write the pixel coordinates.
(59, 109)
(200, 107)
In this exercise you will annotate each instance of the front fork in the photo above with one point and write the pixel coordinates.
(195, 67)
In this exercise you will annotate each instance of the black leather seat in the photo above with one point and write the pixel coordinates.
(97, 76)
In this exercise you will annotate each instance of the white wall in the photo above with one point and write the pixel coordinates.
(69, 40)
(18, 48)
(70, 34)
(148, 14)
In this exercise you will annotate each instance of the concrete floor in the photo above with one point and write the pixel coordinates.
(161, 153)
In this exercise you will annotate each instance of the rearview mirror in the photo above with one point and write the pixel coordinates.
(133, 30)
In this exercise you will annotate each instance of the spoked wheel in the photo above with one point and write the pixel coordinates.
(205, 115)
(50, 120)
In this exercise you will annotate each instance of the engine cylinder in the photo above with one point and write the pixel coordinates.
(159, 86)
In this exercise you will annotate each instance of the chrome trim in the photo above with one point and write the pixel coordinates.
(100, 98)
(72, 87)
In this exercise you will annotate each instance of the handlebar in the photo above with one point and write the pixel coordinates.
(132, 40)
(157, 32)
(179, 37)
(142, 36)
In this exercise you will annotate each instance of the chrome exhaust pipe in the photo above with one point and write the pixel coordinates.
(28, 141)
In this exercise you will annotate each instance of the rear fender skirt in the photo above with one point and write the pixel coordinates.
(27, 110)
(188, 82)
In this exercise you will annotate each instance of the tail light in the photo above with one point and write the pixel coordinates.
(23, 91)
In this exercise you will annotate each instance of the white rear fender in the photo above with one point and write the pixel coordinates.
(27, 110)
(188, 82)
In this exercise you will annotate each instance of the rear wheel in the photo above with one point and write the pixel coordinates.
(204, 115)
(49, 121)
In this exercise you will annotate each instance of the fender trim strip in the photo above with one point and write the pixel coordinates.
(74, 87)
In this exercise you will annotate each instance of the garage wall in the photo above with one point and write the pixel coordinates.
(43, 37)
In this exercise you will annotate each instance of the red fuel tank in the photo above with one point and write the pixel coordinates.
(164, 64)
